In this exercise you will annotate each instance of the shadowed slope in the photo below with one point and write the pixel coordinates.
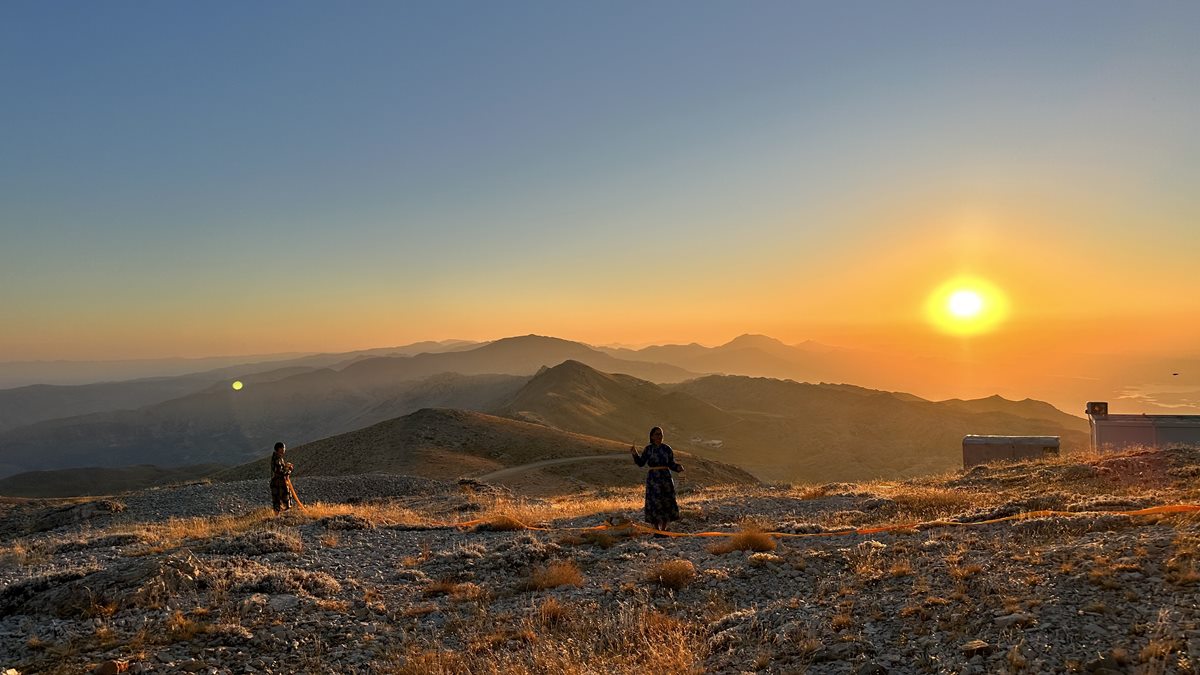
(778, 429)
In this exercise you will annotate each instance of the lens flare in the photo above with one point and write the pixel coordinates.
(966, 306)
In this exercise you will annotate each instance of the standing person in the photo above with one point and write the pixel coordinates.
(661, 507)
(281, 470)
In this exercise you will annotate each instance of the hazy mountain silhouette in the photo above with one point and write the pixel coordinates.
(511, 356)
(219, 425)
(25, 405)
(760, 355)
(1028, 408)
(99, 480)
(1137, 383)
(448, 444)
(23, 373)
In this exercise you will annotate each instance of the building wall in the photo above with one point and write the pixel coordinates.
(978, 453)
(1115, 432)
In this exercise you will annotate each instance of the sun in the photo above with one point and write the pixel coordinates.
(966, 306)
(237, 385)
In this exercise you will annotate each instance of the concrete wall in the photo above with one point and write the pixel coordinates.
(985, 449)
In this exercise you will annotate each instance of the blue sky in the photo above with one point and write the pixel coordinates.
(180, 176)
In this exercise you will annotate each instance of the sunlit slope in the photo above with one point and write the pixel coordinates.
(449, 444)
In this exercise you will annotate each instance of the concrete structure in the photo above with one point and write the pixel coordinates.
(1114, 432)
(984, 449)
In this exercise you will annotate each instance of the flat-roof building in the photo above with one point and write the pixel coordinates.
(1114, 432)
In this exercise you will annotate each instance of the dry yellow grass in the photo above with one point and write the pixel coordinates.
(931, 502)
(158, 537)
(749, 539)
(555, 574)
(628, 641)
(499, 511)
(378, 514)
(672, 574)
(19, 554)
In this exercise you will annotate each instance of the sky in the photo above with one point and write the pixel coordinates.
(200, 179)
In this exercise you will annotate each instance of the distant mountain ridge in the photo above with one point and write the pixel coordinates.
(61, 372)
(298, 403)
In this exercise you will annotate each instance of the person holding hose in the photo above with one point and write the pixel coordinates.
(661, 507)
(281, 471)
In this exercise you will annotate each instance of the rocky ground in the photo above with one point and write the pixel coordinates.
(201, 578)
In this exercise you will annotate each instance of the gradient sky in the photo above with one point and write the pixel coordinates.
(190, 179)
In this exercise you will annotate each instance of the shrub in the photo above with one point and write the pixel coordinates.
(558, 573)
(673, 574)
(749, 539)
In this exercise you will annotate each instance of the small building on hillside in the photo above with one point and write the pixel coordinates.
(978, 449)
(1114, 432)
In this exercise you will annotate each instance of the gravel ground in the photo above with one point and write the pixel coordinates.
(1083, 592)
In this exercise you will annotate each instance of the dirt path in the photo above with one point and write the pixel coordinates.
(504, 473)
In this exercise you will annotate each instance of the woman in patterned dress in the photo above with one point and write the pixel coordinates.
(661, 507)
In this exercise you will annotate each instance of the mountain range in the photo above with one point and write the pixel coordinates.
(778, 429)
(784, 430)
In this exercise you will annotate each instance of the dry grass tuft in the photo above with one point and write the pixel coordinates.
(21, 555)
(332, 605)
(749, 539)
(558, 573)
(554, 613)
(330, 540)
(505, 638)
(500, 522)
(467, 591)
(180, 628)
(673, 574)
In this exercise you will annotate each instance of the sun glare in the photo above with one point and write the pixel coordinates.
(237, 385)
(966, 306)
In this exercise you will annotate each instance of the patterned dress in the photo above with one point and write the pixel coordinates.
(660, 487)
